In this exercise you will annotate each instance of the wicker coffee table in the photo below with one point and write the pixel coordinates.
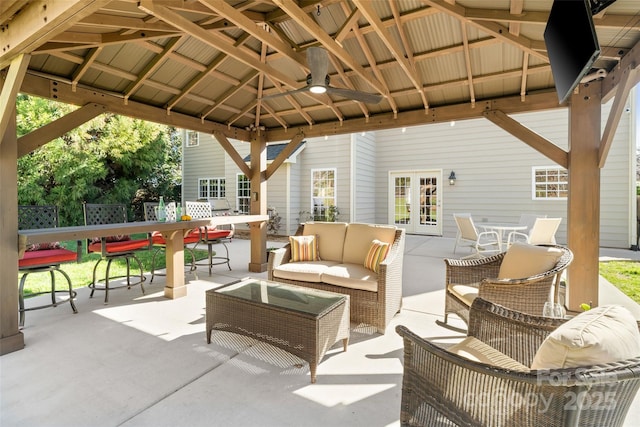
(304, 322)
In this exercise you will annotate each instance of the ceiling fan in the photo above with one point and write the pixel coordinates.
(318, 80)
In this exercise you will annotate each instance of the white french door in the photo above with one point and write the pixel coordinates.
(415, 201)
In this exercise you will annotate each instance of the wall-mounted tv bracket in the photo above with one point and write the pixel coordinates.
(599, 5)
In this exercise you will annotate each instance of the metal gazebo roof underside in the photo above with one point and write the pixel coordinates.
(207, 64)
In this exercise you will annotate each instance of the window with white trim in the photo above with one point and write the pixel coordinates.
(193, 138)
(550, 183)
(323, 193)
(243, 194)
(211, 188)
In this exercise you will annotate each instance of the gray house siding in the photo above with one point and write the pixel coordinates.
(494, 171)
(207, 160)
(334, 152)
(363, 182)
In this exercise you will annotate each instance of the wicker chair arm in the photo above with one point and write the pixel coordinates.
(516, 334)
(390, 273)
(276, 258)
(472, 271)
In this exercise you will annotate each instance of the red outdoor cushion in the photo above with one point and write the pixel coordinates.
(192, 237)
(46, 257)
(124, 246)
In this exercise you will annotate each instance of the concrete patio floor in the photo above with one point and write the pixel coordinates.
(144, 360)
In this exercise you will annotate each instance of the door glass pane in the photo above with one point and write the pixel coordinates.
(402, 191)
(428, 201)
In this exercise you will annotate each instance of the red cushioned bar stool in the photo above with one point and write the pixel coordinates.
(160, 243)
(43, 258)
(211, 235)
(112, 248)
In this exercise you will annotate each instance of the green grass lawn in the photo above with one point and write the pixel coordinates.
(81, 272)
(625, 275)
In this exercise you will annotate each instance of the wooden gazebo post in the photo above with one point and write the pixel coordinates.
(583, 205)
(258, 231)
(11, 338)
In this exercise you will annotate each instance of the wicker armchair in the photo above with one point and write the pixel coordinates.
(479, 277)
(441, 388)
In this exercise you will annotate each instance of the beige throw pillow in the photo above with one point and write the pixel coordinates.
(525, 260)
(377, 253)
(601, 335)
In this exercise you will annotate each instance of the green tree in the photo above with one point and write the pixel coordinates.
(110, 159)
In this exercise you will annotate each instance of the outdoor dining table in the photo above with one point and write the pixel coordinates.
(173, 232)
(503, 230)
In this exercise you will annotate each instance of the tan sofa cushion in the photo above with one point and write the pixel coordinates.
(359, 237)
(601, 335)
(302, 271)
(464, 293)
(330, 238)
(473, 349)
(354, 276)
(525, 260)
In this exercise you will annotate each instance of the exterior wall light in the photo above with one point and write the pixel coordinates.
(452, 178)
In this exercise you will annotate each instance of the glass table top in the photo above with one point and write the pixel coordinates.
(290, 297)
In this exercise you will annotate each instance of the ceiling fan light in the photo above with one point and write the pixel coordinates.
(317, 89)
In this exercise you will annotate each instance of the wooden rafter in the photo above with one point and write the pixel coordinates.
(215, 40)
(153, 65)
(21, 36)
(366, 9)
(467, 63)
(209, 70)
(490, 27)
(10, 89)
(372, 62)
(331, 45)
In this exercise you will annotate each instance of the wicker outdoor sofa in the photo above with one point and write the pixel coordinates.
(342, 263)
(445, 387)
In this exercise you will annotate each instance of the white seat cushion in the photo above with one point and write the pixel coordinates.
(304, 271)
(464, 293)
(473, 349)
(601, 335)
(352, 276)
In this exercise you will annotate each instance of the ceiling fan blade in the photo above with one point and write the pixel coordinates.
(367, 98)
(291, 92)
(318, 61)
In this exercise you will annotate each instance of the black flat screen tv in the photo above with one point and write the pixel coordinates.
(572, 44)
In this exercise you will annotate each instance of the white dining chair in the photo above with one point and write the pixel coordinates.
(480, 243)
(528, 220)
(543, 232)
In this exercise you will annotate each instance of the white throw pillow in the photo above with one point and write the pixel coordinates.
(601, 335)
(525, 260)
